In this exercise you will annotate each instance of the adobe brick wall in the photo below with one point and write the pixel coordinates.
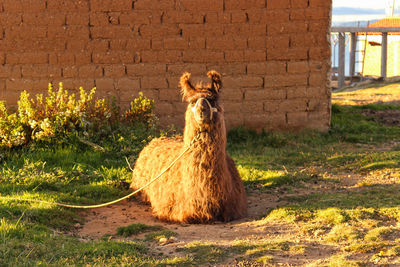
(274, 54)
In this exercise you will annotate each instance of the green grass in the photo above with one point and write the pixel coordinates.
(136, 228)
(361, 219)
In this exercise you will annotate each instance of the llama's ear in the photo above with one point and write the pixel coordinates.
(216, 83)
(187, 88)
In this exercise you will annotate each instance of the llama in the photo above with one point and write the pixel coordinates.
(204, 185)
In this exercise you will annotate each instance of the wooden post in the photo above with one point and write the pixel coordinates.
(353, 54)
(384, 54)
(342, 37)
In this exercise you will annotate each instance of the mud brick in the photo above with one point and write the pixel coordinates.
(26, 84)
(297, 92)
(268, 68)
(173, 81)
(239, 16)
(98, 19)
(10, 19)
(138, 44)
(112, 58)
(292, 105)
(320, 3)
(297, 119)
(319, 53)
(275, 42)
(150, 31)
(316, 26)
(26, 6)
(257, 43)
(231, 95)
(115, 71)
(202, 56)
(186, 17)
(136, 70)
(170, 95)
(275, 16)
(2, 58)
(202, 30)
(111, 32)
(104, 84)
(233, 120)
(274, 4)
(153, 82)
(244, 81)
(298, 14)
(78, 32)
(290, 27)
(228, 68)
(156, 44)
(245, 30)
(153, 5)
(110, 5)
(176, 43)
(265, 94)
(225, 43)
(298, 67)
(68, 6)
(287, 54)
(76, 45)
(82, 58)
(319, 120)
(244, 4)
(232, 107)
(295, 4)
(69, 72)
(255, 55)
(32, 58)
(164, 108)
(204, 5)
(317, 13)
(234, 56)
(197, 43)
(90, 71)
(5, 71)
(252, 107)
(286, 80)
(271, 105)
(212, 17)
(256, 121)
(318, 79)
(26, 32)
(74, 84)
(128, 84)
(43, 19)
(40, 71)
(180, 68)
(77, 19)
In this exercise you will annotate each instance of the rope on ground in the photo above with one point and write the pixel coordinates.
(107, 203)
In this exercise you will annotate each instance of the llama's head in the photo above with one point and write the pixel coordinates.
(203, 100)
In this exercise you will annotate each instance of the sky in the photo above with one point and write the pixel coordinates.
(362, 10)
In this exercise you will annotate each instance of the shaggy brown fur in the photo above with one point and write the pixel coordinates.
(204, 185)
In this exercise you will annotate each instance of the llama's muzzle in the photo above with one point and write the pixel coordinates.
(198, 117)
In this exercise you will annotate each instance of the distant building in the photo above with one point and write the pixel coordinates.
(373, 46)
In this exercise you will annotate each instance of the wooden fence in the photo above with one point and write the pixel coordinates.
(353, 33)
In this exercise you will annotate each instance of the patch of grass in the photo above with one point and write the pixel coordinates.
(343, 233)
(204, 252)
(380, 233)
(136, 228)
(156, 236)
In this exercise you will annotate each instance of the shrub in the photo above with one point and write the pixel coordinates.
(60, 115)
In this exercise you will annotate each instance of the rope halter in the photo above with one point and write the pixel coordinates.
(212, 109)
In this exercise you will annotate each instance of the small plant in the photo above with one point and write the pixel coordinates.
(59, 116)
